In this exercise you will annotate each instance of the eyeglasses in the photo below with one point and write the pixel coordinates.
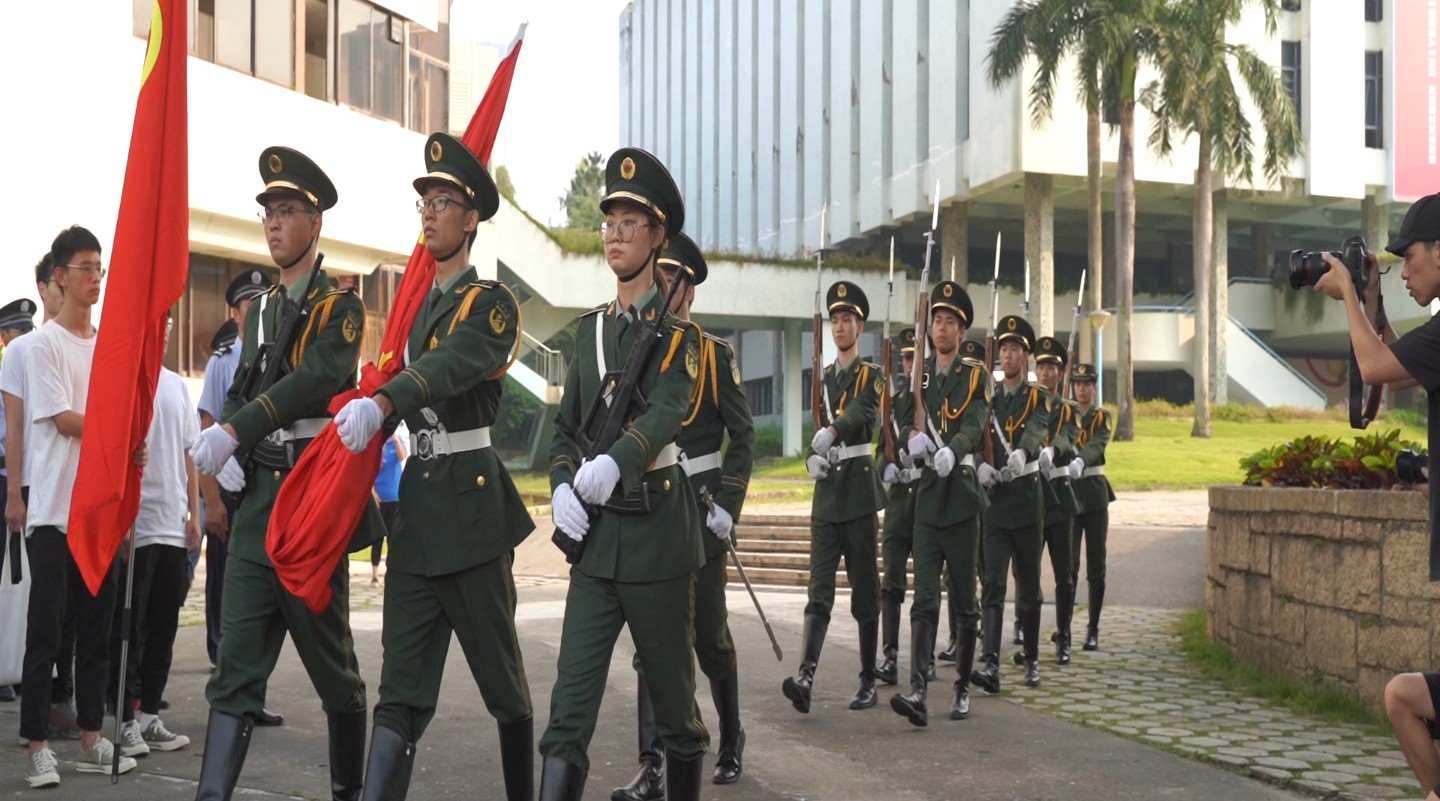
(280, 213)
(437, 204)
(623, 231)
(98, 271)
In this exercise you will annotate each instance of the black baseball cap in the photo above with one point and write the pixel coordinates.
(1422, 224)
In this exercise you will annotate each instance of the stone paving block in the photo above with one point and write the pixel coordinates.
(1241, 751)
(1313, 786)
(1340, 749)
(1232, 761)
(1353, 768)
(1310, 756)
(1166, 731)
(1158, 738)
(1363, 791)
(1282, 763)
(1277, 775)
(1205, 742)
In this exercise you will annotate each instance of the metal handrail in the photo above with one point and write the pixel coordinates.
(549, 362)
(1251, 334)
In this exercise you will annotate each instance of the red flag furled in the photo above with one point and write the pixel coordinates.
(321, 502)
(148, 263)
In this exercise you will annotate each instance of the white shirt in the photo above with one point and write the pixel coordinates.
(57, 379)
(164, 489)
(12, 380)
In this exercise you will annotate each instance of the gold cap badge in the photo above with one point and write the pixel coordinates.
(842, 291)
(436, 151)
(949, 290)
(275, 164)
(1010, 323)
(627, 168)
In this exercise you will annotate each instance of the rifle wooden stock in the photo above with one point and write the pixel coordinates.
(887, 411)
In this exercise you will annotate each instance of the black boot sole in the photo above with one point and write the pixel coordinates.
(990, 684)
(797, 695)
(918, 717)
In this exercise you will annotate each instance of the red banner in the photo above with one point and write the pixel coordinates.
(1415, 99)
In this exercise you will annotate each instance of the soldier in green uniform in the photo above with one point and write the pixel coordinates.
(848, 493)
(949, 502)
(1015, 520)
(460, 515)
(972, 353)
(628, 504)
(269, 426)
(718, 405)
(1060, 505)
(1093, 491)
(900, 478)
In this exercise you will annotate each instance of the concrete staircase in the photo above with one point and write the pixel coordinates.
(775, 550)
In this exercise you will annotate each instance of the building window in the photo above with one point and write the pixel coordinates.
(371, 63)
(1290, 5)
(256, 37)
(760, 392)
(1374, 99)
(1290, 72)
(1374, 10)
(429, 94)
(805, 389)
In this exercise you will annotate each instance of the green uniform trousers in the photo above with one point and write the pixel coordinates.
(855, 540)
(899, 536)
(1060, 546)
(957, 546)
(1092, 527)
(1021, 544)
(714, 649)
(256, 612)
(478, 605)
(659, 615)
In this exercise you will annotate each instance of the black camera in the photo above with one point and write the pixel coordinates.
(1407, 466)
(1306, 268)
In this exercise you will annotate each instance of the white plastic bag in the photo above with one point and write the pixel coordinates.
(14, 603)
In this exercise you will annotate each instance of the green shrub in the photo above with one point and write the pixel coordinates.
(1366, 463)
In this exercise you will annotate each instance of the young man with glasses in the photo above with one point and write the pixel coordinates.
(268, 426)
(460, 515)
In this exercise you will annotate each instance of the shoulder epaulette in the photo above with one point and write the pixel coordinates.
(224, 350)
(683, 325)
(486, 283)
(595, 310)
(719, 339)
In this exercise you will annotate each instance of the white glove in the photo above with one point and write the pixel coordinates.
(944, 462)
(988, 475)
(596, 479)
(823, 439)
(819, 468)
(1047, 459)
(891, 474)
(568, 513)
(719, 521)
(920, 446)
(1077, 467)
(232, 476)
(1015, 462)
(211, 449)
(906, 460)
(358, 422)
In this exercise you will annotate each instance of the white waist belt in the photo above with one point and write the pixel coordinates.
(309, 428)
(693, 465)
(669, 455)
(1030, 467)
(968, 461)
(1097, 470)
(429, 443)
(1059, 472)
(843, 452)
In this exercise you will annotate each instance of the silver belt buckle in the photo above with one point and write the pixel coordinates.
(425, 444)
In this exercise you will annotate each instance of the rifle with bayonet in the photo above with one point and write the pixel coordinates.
(819, 393)
(709, 502)
(989, 453)
(887, 410)
(1072, 348)
(922, 324)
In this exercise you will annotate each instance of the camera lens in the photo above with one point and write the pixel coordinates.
(1407, 466)
(1305, 269)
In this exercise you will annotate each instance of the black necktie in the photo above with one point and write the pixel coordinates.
(432, 300)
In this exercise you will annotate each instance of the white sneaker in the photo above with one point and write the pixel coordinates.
(97, 759)
(132, 742)
(40, 769)
(162, 739)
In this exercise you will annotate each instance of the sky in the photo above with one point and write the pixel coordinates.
(564, 101)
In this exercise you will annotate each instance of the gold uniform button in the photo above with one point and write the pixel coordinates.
(425, 475)
(479, 481)
(667, 485)
(277, 475)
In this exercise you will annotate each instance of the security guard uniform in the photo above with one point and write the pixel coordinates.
(460, 516)
(273, 424)
(947, 510)
(1061, 505)
(717, 406)
(1014, 522)
(642, 550)
(1095, 494)
(898, 534)
(843, 513)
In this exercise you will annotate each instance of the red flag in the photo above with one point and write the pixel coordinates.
(147, 276)
(321, 503)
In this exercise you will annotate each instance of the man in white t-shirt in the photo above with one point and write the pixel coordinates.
(57, 383)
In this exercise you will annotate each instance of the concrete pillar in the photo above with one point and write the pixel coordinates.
(792, 405)
(1374, 222)
(955, 241)
(1219, 293)
(1040, 250)
(1263, 235)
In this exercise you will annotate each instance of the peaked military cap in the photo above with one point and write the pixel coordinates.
(1049, 349)
(448, 160)
(681, 251)
(1014, 327)
(290, 172)
(905, 338)
(18, 314)
(845, 296)
(972, 352)
(952, 296)
(248, 285)
(637, 176)
(225, 335)
(1083, 372)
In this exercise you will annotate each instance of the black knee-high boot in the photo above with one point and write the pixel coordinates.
(797, 688)
(1097, 602)
(726, 693)
(649, 783)
(889, 669)
(987, 677)
(387, 772)
(517, 758)
(864, 697)
(227, 738)
(912, 704)
(960, 708)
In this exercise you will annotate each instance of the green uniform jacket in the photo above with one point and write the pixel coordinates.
(899, 498)
(955, 404)
(853, 489)
(666, 543)
(718, 405)
(460, 510)
(1061, 503)
(1024, 415)
(323, 361)
(1094, 492)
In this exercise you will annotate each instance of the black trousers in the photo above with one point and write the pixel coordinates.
(216, 551)
(154, 618)
(388, 511)
(55, 584)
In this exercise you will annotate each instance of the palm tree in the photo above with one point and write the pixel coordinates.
(1197, 94)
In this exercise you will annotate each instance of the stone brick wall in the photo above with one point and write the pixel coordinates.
(1323, 586)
